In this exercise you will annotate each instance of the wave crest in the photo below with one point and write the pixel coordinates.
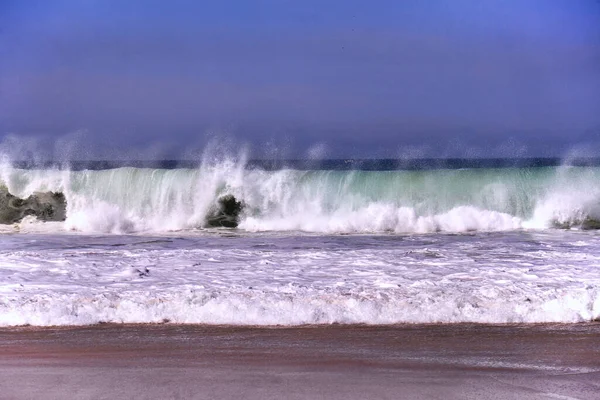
(143, 199)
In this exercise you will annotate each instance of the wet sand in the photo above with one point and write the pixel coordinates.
(460, 361)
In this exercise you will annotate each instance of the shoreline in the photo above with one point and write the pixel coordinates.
(456, 361)
(585, 325)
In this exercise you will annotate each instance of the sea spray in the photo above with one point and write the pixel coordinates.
(131, 199)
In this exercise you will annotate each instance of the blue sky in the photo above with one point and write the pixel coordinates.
(357, 78)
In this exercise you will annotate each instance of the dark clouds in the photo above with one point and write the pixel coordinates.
(364, 81)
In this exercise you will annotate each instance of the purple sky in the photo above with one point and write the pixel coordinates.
(384, 79)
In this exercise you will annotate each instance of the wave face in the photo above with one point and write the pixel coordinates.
(132, 199)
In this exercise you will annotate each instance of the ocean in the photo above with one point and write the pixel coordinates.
(316, 242)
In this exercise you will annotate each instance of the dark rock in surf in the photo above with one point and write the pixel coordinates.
(45, 206)
(590, 224)
(226, 213)
(143, 272)
(586, 224)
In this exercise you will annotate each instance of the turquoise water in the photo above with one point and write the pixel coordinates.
(145, 199)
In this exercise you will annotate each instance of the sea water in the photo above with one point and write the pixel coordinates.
(336, 242)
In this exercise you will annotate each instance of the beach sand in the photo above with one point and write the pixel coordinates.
(462, 361)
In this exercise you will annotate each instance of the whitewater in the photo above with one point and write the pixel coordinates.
(134, 200)
(313, 246)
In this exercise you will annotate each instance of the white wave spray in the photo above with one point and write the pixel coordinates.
(144, 200)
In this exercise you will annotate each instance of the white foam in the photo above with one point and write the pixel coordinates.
(377, 217)
(483, 279)
(127, 200)
(246, 307)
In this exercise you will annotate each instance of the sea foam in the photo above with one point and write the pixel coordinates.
(81, 280)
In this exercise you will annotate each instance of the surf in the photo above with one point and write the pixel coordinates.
(141, 199)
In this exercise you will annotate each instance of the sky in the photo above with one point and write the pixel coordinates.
(295, 79)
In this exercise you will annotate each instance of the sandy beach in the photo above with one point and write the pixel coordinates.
(461, 361)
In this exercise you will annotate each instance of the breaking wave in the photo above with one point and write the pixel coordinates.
(132, 199)
(253, 307)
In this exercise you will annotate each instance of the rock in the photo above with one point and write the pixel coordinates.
(590, 224)
(226, 213)
(46, 206)
(143, 272)
(587, 223)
